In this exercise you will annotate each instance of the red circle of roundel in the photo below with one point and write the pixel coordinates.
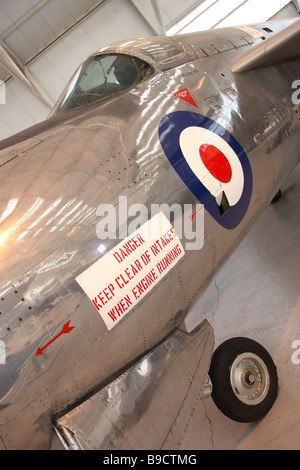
(216, 162)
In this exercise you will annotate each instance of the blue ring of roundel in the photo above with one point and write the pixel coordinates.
(170, 129)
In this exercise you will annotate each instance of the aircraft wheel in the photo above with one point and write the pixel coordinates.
(244, 379)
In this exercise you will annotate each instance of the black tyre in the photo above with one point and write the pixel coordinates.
(244, 379)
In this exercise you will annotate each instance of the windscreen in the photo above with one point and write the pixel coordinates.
(102, 76)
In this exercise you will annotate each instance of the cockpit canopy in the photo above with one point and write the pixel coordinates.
(102, 76)
(117, 68)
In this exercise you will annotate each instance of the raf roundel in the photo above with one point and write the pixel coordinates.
(210, 162)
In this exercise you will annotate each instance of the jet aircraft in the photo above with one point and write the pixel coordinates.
(93, 335)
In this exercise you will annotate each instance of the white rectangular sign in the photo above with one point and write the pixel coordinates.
(119, 280)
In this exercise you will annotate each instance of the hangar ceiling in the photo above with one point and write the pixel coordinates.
(29, 27)
(31, 30)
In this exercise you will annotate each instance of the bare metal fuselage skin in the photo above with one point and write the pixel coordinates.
(51, 185)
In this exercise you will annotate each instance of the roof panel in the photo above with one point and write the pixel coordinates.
(32, 43)
(34, 31)
(170, 11)
(67, 14)
(5, 20)
(15, 9)
(78, 7)
(20, 45)
(54, 22)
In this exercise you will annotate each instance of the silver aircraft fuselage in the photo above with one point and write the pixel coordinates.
(54, 177)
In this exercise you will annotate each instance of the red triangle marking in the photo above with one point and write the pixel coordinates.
(186, 96)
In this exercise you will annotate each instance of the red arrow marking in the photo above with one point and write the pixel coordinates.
(65, 329)
(193, 215)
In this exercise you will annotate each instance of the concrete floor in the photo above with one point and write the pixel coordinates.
(257, 294)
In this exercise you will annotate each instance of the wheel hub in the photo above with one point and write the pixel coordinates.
(249, 378)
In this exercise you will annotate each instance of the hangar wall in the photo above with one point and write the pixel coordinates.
(113, 21)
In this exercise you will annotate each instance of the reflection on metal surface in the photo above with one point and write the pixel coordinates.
(149, 404)
(161, 50)
(55, 176)
(280, 47)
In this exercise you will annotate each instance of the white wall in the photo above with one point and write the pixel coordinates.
(288, 11)
(224, 13)
(21, 110)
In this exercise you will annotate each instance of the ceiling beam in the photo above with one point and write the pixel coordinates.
(23, 18)
(14, 67)
(70, 28)
(145, 17)
(11, 63)
(297, 4)
(158, 17)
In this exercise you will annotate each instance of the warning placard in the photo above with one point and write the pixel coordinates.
(120, 279)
